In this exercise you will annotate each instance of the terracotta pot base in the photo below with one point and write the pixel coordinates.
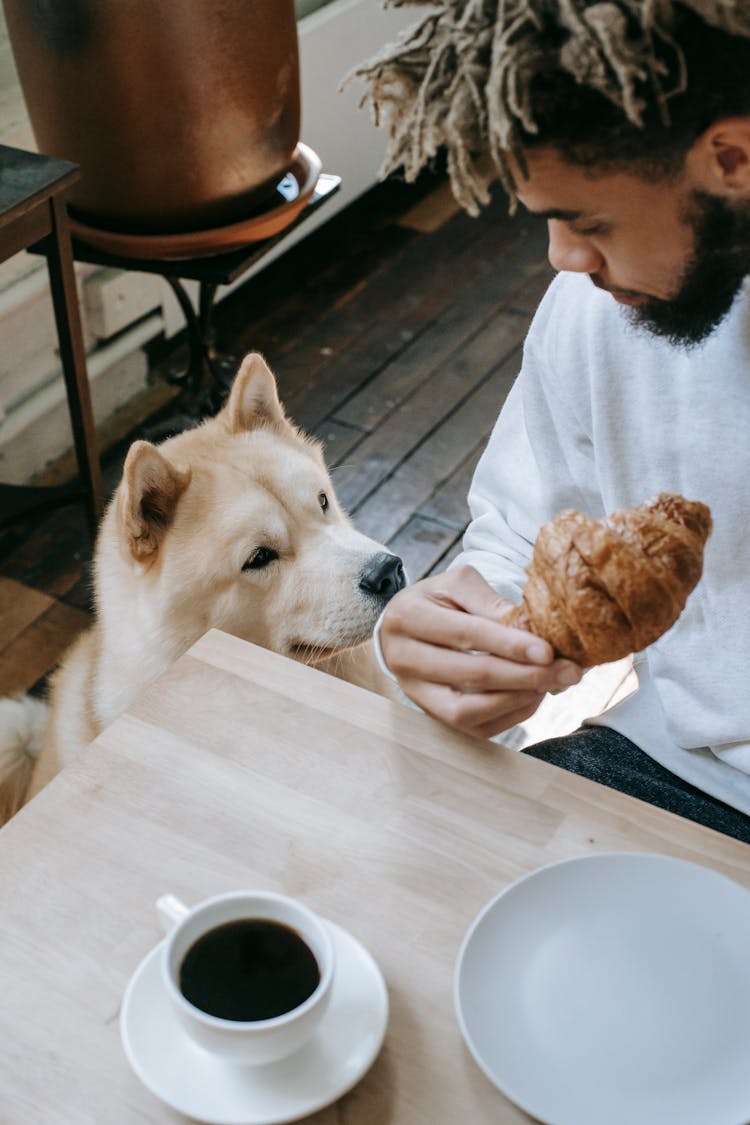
(290, 196)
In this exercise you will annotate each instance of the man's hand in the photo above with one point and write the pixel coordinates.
(444, 640)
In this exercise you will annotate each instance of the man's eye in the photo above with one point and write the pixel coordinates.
(592, 229)
(260, 558)
(323, 501)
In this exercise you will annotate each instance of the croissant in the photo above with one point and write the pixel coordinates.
(600, 589)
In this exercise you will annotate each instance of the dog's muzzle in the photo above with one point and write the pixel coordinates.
(383, 576)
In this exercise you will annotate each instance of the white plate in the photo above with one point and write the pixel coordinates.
(204, 1087)
(613, 990)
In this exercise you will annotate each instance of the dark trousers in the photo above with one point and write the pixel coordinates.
(606, 756)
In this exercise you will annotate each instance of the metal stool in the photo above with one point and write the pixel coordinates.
(208, 374)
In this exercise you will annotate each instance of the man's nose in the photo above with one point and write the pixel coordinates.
(570, 251)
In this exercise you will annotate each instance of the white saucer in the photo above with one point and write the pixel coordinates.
(204, 1087)
(613, 988)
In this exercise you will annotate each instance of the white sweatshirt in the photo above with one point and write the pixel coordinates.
(602, 417)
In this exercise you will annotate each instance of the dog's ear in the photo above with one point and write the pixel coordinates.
(147, 498)
(253, 398)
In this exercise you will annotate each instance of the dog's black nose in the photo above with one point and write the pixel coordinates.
(383, 575)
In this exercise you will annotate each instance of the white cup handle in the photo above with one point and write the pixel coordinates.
(170, 911)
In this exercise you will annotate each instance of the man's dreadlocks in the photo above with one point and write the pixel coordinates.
(601, 80)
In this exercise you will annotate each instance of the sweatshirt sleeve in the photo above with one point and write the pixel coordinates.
(538, 459)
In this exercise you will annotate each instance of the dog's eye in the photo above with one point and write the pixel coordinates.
(323, 501)
(260, 558)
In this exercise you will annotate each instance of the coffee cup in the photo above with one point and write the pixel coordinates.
(248, 973)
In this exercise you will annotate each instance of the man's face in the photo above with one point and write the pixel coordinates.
(675, 257)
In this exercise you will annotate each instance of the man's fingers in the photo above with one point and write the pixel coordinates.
(493, 711)
(438, 624)
(472, 672)
(445, 641)
(467, 590)
(489, 730)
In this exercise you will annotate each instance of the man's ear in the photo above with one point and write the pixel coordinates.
(719, 161)
(253, 399)
(147, 499)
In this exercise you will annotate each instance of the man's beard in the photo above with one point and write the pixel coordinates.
(711, 279)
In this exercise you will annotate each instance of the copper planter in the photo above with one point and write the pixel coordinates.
(183, 114)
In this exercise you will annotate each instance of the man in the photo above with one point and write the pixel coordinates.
(627, 126)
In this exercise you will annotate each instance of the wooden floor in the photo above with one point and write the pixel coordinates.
(395, 332)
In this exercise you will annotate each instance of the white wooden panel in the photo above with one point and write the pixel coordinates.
(30, 354)
(115, 299)
(38, 431)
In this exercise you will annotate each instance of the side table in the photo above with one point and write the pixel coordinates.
(33, 192)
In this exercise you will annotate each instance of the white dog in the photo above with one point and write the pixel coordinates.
(232, 525)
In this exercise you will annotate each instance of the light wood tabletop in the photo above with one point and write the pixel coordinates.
(241, 769)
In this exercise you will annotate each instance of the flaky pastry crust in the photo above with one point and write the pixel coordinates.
(600, 589)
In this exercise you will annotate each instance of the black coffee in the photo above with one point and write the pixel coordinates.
(250, 969)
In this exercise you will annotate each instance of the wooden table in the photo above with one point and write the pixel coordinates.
(239, 768)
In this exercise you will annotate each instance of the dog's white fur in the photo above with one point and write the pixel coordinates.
(174, 558)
